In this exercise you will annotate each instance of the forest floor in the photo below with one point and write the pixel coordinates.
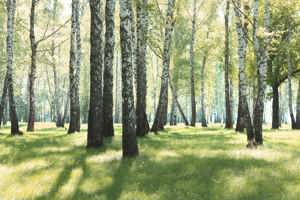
(180, 163)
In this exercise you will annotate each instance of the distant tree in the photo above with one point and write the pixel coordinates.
(108, 128)
(129, 140)
(202, 99)
(95, 121)
(75, 54)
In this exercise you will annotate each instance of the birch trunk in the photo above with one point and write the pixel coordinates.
(142, 125)
(129, 140)
(175, 97)
(298, 107)
(202, 99)
(11, 8)
(3, 100)
(192, 70)
(275, 107)
(95, 121)
(228, 106)
(108, 123)
(290, 71)
(261, 63)
(242, 47)
(32, 74)
(75, 69)
(160, 116)
(118, 111)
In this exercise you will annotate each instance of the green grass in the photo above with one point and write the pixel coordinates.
(180, 163)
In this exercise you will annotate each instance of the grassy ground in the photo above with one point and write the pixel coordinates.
(181, 163)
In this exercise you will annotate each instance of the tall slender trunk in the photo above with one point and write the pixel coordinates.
(118, 111)
(95, 122)
(129, 140)
(275, 107)
(228, 108)
(202, 99)
(11, 8)
(242, 47)
(261, 62)
(298, 107)
(192, 70)
(142, 125)
(175, 97)
(173, 114)
(75, 69)
(3, 100)
(32, 74)
(108, 123)
(160, 116)
(290, 71)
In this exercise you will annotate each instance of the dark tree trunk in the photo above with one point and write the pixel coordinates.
(203, 106)
(161, 113)
(275, 108)
(240, 125)
(175, 97)
(173, 114)
(66, 109)
(3, 101)
(108, 123)
(129, 140)
(142, 125)
(262, 62)
(11, 8)
(228, 108)
(192, 70)
(75, 69)
(32, 75)
(95, 122)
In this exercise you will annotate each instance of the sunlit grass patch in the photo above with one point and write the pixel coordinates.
(179, 163)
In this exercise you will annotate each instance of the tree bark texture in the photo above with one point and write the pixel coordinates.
(192, 65)
(160, 116)
(11, 8)
(95, 121)
(228, 105)
(142, 125)
(129, 140)
(75, 55)
(108, 127)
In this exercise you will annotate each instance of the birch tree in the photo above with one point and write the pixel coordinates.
(11, 9)
(95, 121)
(242, 46)
(261, 63)
(74, 67)
(160, 120)
(228, 106)
(129, 140)
(108, 127)
(142, 125)
(192, 70)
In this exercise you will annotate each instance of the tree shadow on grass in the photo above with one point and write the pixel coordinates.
(169, 176)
